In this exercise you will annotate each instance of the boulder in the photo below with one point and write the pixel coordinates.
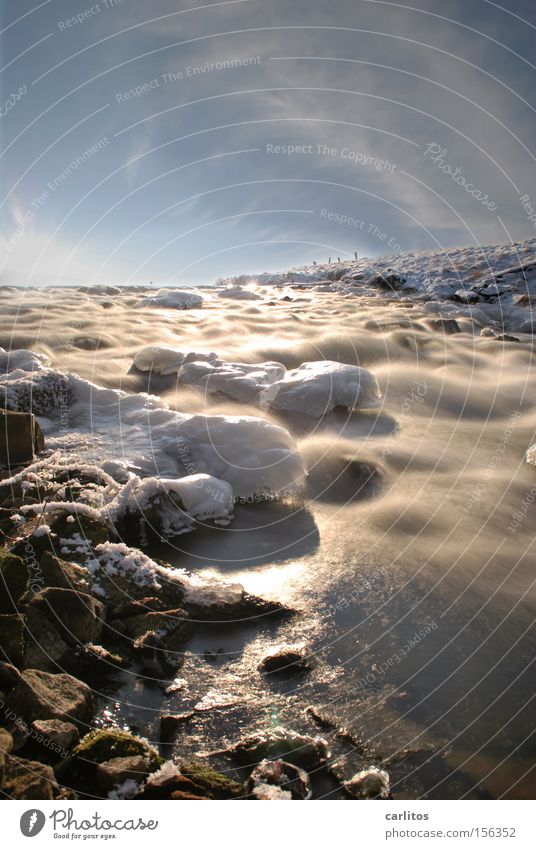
(45, 648)
(170, 723)
(54, 733)
(6, 747)
(448, 326)
(285, 659)
(283, 744)
(371, 783)
(12, 633)
(281, 775)
(60, 573)
(118, 770)
(13, 580)
(42, 695)
(9, 675)
(214, 783)
(20, 437)
(24, 779)
(77, 616)
(109, 744)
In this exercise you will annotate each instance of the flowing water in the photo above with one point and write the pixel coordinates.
(410, 560)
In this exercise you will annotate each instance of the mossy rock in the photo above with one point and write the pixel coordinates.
(105, 744)
(13, 580)
(218, 785)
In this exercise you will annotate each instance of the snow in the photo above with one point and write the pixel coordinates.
(41, 531)
(314, 388)
(172, 299)
(118, 559)
(21, 359)
(271, 793)
(239, 294)
(500, 277)
(252, 455)
(199, 497)
(530, 456)
(317, 388)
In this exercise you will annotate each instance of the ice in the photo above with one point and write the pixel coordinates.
(317, 388)
(482, 273)
(140, 432)
(242, 382)
(21, 359)
(171, 299)
(239, 294)
(314, 388)
(173, 506)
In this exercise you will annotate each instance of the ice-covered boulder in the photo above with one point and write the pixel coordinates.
(239, 294)
(242, 382)
(172, 507)
(317, 388)
(252, 455)
(176, 299)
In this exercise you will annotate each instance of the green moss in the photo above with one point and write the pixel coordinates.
(103, 745)
(214, 782)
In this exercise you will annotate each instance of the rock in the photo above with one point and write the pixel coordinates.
(170, 723)
(55, 734)
(12, 633)
(169, 783)
(59, 573)
(448, 326)
(109, 744)
(505, 337)
(20, 437)
(20, 733)
(91, 533)
(117, 770)
(77, 616)
(24, 779)
(9, 675)
(371, 783)
(488, 331)
(6, 747)
(94, 660)
(215, 784)
(285, 659)
(180, 796)
(154, 656)
(13, 580)
(387, 282)
(42, 695)
(174, 623)
(283, 744)
(281, 775)
(466, 296)
(45, 649)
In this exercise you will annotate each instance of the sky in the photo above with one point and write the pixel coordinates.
(180, 142)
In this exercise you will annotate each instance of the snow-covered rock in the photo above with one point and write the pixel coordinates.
(317, 388)
(237, 293)
(172, 507)
(252, 455)
(176, 299)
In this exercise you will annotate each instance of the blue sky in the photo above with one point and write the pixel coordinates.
(410, 126)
